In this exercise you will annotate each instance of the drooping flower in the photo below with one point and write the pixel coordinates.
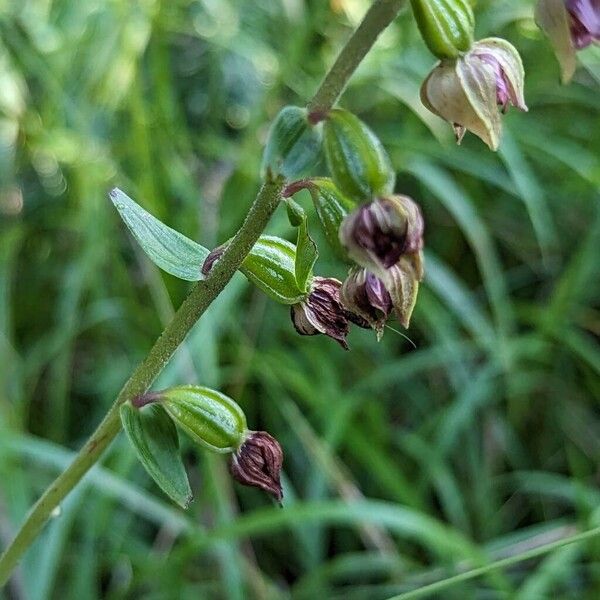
(570, 25)
(372, 297)
(322, 311)
(368, 302)
(257, 463)
(472, 91)
(377, 234)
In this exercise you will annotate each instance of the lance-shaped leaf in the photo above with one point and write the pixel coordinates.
(306, 249)
(154, 439)
(170, 250)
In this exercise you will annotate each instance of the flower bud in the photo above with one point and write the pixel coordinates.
(570, 25)
(257, 463)
(270, 265)
(209, 417)
(322, 311)
(473, 90)
(293, 145)
(359, 164)
(378, 233)
(446, 25)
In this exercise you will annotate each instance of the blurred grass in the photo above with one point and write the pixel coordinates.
(402, 464)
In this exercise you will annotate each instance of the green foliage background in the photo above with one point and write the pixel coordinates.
(401, 463)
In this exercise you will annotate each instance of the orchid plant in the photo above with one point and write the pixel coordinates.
(376, 231)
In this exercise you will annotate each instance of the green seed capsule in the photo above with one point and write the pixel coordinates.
(293, 145)
(207, 416)
(331, 207)
(359, 164)
(271, 267)
(445, 25)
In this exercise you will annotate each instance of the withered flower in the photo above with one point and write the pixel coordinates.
(378, 233)
(322, 311)
(571, 25)
(257, 463)
(472, 91)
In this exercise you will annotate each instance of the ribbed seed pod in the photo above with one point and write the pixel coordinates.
(331, 207)
(271, 267)
(445, 25)
(293, 145)
(359, 165)
(209, 417)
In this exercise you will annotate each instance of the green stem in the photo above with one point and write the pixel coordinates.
(378, 17)
(432, 588)
(190, 311)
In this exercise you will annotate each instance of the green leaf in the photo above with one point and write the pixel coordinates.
(170, 250)
(154, 439)
(306, 249)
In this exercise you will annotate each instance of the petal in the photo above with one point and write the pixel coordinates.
(507, 56)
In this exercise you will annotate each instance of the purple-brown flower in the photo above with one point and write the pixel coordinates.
(257, 463)
(372, 297)
(377, 234)
(369, 304)
(571, 25)
(322, 311)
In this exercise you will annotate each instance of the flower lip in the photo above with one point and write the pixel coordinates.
(368, 302)
(257, 463)
(584, 17)
(322, 311)
(505, 93)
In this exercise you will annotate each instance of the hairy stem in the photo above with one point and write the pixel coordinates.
(190, 311)
(377, 18)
